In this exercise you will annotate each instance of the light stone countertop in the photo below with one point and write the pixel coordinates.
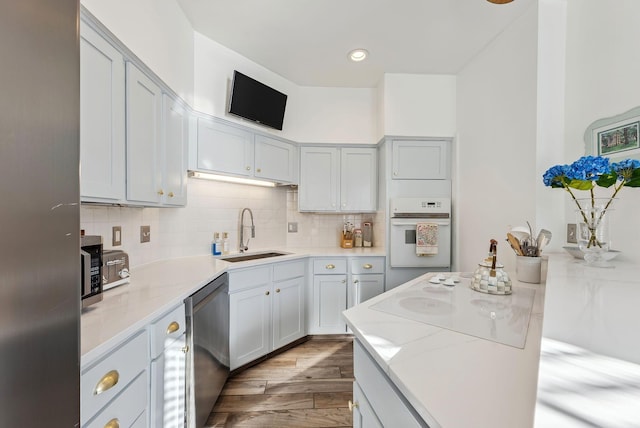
(157, 287)
(450, 378)
(590, 360)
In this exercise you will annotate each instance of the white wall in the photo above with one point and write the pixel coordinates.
(496, 144)
(337, 115)
(550, 133)
(602, 69)
(157, 32)
(419, 105)
(313, 114)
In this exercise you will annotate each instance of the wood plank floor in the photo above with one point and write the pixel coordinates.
(309, 385)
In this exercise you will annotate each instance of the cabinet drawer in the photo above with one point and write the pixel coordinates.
(390, 407)
(127, 408)
(329, 266)
(166, 330)
(118, 369)
(364, 265)
(249, 278)
(290, 270)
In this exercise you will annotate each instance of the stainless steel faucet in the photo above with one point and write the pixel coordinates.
(244, 247)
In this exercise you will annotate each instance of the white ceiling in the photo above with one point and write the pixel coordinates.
(307, 41)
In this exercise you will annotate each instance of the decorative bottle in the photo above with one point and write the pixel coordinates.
(225, 243)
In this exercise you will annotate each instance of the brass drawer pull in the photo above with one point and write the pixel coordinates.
(367, 266)
(107, 382)
(171, 195)
(266, 293)
(113, 423)
(173, 327)
(277, 290)
(330, 266)
(352, 405)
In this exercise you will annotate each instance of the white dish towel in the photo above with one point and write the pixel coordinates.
(426, 239)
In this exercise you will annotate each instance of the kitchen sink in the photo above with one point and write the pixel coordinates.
(247, 257)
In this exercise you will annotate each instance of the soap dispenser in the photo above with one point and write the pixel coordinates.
(216, 245)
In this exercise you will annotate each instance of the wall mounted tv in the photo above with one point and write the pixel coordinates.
(256, 101)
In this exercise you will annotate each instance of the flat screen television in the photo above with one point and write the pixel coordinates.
(255, 101)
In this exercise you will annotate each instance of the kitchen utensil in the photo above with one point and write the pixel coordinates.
(515, 244)
(544, 237)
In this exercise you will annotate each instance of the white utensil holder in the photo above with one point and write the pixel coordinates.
(528, 269)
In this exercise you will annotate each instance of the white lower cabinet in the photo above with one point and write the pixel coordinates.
(340, 283)
(168, 368)
(128, 409)
(141, 382)
(116, 386)
(377, 401)
(363, 414)
(329, 296)
(267, 309)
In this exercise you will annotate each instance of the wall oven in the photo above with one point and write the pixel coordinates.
(405, 215)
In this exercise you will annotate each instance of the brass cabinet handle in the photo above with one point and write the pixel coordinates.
(107, 382)
(343, 281)
(330, 266)
(171, 195)
(248, 168)
(266, 293)
(367, 266)
(113, 423)
(259, 170)
(160, 192)
(185, 349)
(173, 327)
(353, 405)
(355, 281)
(277, 290)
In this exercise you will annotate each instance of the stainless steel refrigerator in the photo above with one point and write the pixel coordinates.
(39, 214)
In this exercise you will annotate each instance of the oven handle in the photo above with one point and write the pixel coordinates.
(414, 222)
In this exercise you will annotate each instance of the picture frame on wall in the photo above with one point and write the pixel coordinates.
(616, 136)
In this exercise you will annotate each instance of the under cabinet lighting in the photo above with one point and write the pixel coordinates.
(239, 180)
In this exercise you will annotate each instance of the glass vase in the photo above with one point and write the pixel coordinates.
(592, 220)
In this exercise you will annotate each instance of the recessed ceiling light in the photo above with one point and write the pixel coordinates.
(358, 55)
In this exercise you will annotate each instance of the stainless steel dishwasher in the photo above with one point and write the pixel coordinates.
(207, 313)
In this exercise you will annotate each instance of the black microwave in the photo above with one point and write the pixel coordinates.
(91, 269)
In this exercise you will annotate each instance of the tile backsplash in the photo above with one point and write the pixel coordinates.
(216, 207)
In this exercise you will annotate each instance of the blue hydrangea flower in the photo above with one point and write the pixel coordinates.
(589, 168)
(554, 175)
(624, 168)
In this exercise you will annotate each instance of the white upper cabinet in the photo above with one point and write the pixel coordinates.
(102, 118)
(420, 160)
(319, 167)
(175, 145)
(358, 179)
(144, 117)
(338, 179)
(224, 148)
(275, 160)
(231, 149)
(133, 134)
